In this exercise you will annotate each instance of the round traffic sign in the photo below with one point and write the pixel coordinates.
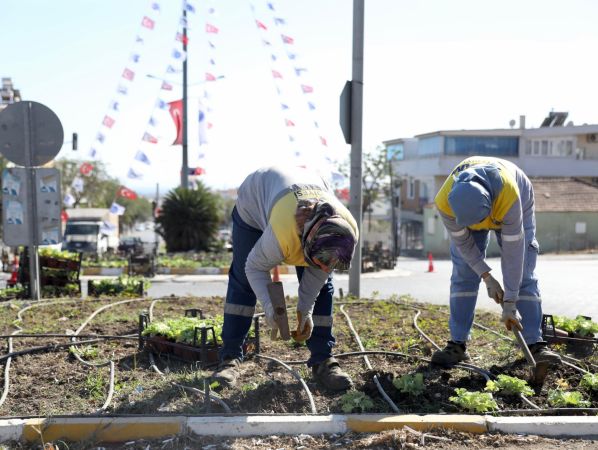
(30, 124)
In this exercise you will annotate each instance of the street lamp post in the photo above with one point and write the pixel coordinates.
(185, 168)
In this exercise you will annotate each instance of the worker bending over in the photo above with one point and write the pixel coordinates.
(483, 194)
(288, 216)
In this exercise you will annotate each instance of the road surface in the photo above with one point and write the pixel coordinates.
(569, 283)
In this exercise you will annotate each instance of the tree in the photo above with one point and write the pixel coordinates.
(189, 219)
(375, 179)
(100, 190)
(99, 187)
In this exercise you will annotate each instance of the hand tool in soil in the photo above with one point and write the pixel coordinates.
(276, 292)
(538, 371)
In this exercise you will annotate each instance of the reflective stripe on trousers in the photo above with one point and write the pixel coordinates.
(465, 284)
(240, 302)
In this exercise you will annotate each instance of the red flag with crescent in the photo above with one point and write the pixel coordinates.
(176, 112)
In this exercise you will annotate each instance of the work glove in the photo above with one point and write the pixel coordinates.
(305, 325)
(510, 315)
(495, 291)
(269, 317)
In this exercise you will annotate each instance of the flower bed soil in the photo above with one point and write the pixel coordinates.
(54, 382)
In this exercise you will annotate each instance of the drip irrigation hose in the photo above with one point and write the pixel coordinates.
(296, 376)
(126, 337)
(487, 375)
(84, 324)
(110, 389)
(51, 347)
(506, 412)
(216, 399)
(382, 392)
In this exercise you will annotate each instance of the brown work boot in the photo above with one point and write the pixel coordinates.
(331, 376)
(450, 355)
(227, 372)
(542, 354)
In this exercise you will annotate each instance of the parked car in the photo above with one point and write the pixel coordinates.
(130, 246)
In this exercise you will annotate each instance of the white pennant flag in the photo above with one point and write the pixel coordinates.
(78, 184)
(117, 209)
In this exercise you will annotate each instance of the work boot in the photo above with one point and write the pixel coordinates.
(542, 354)
(227, 372)
(331, 376)
(450, 355)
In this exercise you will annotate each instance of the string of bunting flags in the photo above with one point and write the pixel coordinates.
(306, 88)
(278, 76)
(147, 25)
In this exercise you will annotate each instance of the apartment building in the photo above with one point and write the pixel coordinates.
(555, 149)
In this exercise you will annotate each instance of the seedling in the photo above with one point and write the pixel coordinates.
(507, 385)
(94, 384)
(356, 401)
(580, 325)
(589, 381)
(410, 384)
(479, 402)
(562, 399)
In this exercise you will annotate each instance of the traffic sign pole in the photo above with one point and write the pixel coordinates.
(31, 205)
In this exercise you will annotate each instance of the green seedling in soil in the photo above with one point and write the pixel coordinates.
(94, 385)
(85, 352)
(411, 384)
(248, 387)
(578, 325)
(562, 399)
(479, 402)
(356, 401)
(507, 385)
(589, 381)
(214, 385)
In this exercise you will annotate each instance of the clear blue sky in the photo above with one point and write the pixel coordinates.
(429, 65)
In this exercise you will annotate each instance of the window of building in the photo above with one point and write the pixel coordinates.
(580, 227)
(557, 147)
(430, 146)
(481, 145)
(528, 147)
(431, 225)
(411, 189)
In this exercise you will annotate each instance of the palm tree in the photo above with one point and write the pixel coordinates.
(188, 219)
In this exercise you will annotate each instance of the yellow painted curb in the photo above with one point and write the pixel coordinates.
(101, 429)
(379, 422)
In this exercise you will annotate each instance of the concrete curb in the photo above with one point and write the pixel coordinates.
(122, 429)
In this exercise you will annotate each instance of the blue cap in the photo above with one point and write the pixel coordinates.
(470, 199)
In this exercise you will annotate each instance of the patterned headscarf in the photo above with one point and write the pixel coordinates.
(329, 238)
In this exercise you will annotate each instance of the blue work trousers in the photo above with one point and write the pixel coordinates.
(240, 302)
(465, 284)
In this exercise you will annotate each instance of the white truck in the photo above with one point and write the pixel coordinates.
(91, 230)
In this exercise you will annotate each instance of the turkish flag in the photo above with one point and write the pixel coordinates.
(85, 169)
(126, 193)
(176, 112)
(64, 216)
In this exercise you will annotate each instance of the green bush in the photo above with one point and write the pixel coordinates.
(123, 286)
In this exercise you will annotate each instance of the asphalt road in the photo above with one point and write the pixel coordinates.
(569, 283)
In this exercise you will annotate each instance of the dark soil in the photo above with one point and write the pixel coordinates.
(54, 382)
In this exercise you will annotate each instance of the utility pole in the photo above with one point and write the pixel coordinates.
(356, 200)
(185, 168)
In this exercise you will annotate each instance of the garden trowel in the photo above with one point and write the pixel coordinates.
(276, 292)
(538, 370)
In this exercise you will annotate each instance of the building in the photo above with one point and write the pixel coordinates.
(8, 94)
(423, 163)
